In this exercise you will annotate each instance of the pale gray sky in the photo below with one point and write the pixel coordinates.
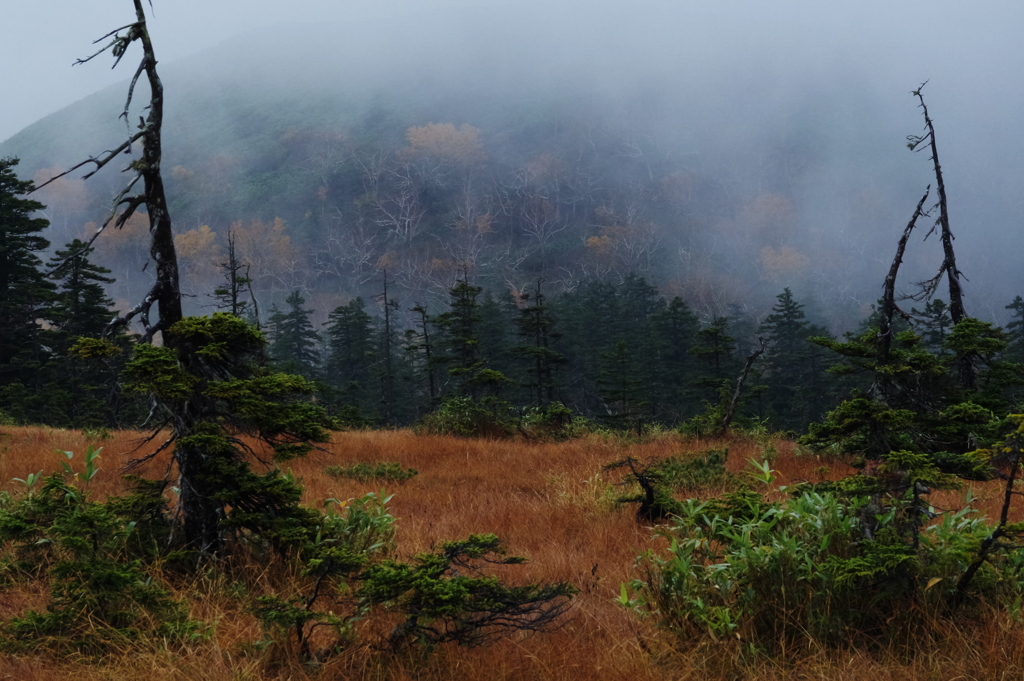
(41, 39)
(972, 52)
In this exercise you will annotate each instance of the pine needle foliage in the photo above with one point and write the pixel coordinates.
(445, 597)
(349, 536)
(469, 417)
(212, 388)
(660, 479)
(95, 557)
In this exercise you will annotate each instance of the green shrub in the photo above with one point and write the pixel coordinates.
(94, 557)
(659, 478)
(655, 497)
(554, 421)
(466, 417)
(708, 423)
(777, 574)
(445, 597)
(100, 433)
(707, 468)
(366, 526)
(391, 471)
(491, 417)
(349, 535)
(349, 417)
(442, 596)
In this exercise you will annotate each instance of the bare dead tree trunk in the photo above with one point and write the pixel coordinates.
(232, 267)
(956, 301)
(740, 382)
(957, 312)
(165, 292)
(880, 388)
(388, 376)
(427, 348)
(230, 295)
(889, 295)
(200, 509)
(991, 542)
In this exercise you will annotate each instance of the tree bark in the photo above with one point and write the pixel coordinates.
(957, 312)
(956, 301)
(166, 292)
(740, 382)
(889, 298)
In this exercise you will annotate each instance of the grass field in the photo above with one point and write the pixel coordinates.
(550, 502)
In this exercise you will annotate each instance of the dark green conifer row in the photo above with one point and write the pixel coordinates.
(617, 352)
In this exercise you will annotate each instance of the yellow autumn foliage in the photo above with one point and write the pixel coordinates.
(461, 145)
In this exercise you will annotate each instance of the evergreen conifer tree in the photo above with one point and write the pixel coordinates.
(637, 302)
(84, 388)
(621, 389)
(717, 363)
(423, 357)
(935, 325)
(673, 332)
(788, 369)
(207, 382)
(295, 344)
(81, 306)
(744, 330)
(1015, 331)
(25, 295)
(637, 307)
(584, 316)
(237, 284)
(351, 354)
(460, 342)
(496, 330)
(541, 363)
(594, 319)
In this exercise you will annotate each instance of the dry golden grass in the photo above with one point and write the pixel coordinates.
(551, 503)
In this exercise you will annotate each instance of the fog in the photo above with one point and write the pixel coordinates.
(40, 41)
(798, 99)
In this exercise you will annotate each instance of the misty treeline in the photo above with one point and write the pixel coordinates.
(619, 353)
(613, 349)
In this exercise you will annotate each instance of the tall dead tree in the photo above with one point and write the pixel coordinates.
(957, 312)
(185, 377)
(740, 383)
(427, 348)
(882, 387)
(387, 374)
(885, 314)
(949, 268)
(198, 506)
(237, 283)
(165, 292)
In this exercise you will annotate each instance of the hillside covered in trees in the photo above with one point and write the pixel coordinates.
(559, 165)
(611, 348)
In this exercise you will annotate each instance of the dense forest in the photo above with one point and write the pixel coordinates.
(612, 349)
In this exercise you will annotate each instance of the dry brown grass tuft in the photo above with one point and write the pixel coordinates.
(552, 503)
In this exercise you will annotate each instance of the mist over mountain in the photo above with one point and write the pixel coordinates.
(723, 159)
